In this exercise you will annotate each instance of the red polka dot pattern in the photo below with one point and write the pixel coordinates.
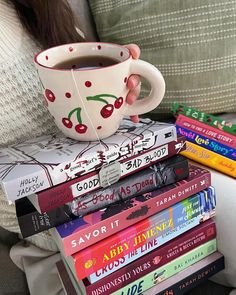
(50, 95)
(68, 95)
(88, 84)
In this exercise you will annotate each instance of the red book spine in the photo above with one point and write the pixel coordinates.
(152, 231)
(157, 201)
(149, 262)
(64, 193)
(208, 131)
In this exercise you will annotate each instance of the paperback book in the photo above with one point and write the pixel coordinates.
(178, 284)
(98, 225)
(144, 236)
(210, 159)
(208, 119)
(188, 225)
(191, 277)
(207, 143)
(168, 270)
(37, 164)
(56, 196)
(208, 131)
(148, 263)
(156, 176)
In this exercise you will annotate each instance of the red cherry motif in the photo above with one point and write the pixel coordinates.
(67, 123)
(50, 95)
(81, 128)
(118, 102)
(107, 110)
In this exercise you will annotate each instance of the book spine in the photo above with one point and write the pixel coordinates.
(187, 225)
(153, 230)
(166, 271)
(88, 159)
(32, 222)
(208, 119)
(208, 131)
(90, 230)
(147, 180)
(157, 258)
(65, 280)
(26, 185)
(66, 192)
(156, 176)
(123, 149)
(207, 143)
(194, 279)
(210, 159)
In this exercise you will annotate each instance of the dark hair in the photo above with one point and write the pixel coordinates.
(50, 22)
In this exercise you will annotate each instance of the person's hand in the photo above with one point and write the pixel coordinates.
(133, 82)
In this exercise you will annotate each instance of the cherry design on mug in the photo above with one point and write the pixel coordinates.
(108, 109)
(67, 122)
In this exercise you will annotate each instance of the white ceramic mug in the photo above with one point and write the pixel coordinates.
(88, 104)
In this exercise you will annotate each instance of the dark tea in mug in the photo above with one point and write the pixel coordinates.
(95, 61)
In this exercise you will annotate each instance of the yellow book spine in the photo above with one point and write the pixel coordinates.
(210, 159)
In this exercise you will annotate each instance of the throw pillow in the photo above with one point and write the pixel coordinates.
(192, 42)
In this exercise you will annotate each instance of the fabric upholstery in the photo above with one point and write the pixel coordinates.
(192, 42)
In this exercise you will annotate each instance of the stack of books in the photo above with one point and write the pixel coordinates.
(128, 213)
(210, 140)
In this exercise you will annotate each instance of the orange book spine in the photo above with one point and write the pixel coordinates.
(210, 159)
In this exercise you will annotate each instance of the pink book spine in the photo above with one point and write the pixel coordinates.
(149, 262)
(208, 131)
(64, 193)
(78, 240)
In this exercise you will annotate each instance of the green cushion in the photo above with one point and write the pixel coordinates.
(192, 42)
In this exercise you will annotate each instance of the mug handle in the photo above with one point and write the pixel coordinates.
(157, 82)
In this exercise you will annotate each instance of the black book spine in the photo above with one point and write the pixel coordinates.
(32, 222)
(195, 278)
